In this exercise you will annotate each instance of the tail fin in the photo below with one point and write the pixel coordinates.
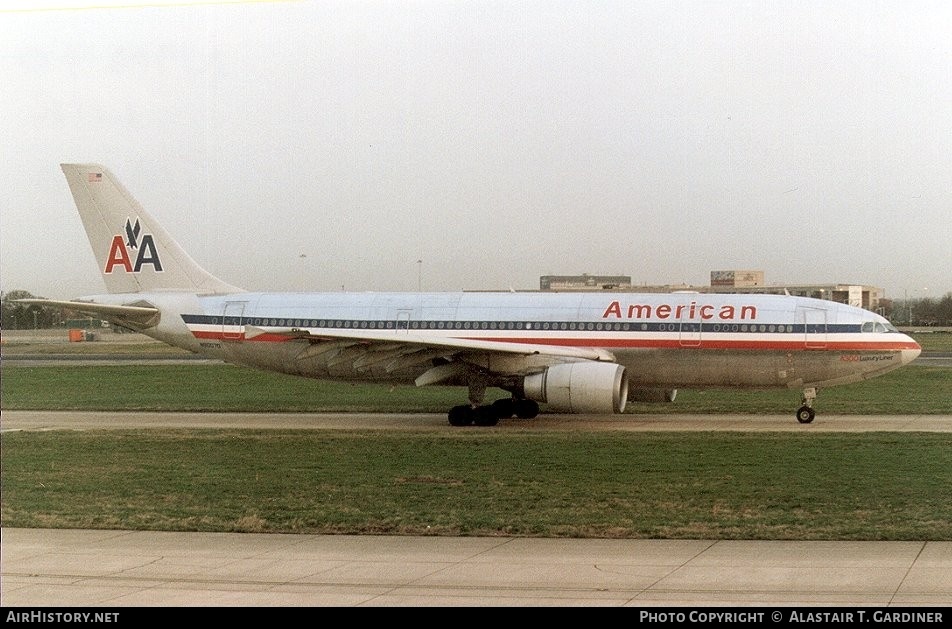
(134, 253)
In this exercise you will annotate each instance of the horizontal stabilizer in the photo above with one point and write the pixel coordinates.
(136, 316)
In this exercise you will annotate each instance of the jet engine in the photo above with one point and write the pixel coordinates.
(583, 387)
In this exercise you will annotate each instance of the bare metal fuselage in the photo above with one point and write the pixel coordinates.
(663, 340)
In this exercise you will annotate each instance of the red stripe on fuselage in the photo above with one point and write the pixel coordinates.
(694, 343)
(616, 343)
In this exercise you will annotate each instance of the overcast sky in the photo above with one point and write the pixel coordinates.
(320, 145)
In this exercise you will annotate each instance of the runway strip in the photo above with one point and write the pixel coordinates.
(79, 420)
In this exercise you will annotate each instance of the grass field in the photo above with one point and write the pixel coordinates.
(481, 482)
(202, 387)
(933, 340)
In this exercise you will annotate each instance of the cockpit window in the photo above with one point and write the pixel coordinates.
(876, 326)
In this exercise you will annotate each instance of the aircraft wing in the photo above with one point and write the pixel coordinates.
(135, 315)
(391, 350)
(390, 338)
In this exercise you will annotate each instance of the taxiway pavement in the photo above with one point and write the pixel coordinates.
(66, 568)
(95, 420)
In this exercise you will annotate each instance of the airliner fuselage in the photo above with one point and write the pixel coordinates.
(663, 342)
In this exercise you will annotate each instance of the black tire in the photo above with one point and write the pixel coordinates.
(526, 409)
(461, 415)
(805, 414)
(505, 407)
(485, 416)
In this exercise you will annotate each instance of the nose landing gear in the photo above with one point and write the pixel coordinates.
(805, 413)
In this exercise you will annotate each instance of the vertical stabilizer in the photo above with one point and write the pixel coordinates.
(134, 253)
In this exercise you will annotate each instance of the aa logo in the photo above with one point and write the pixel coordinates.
(132, 252)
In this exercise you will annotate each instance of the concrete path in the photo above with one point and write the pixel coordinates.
(50, 567)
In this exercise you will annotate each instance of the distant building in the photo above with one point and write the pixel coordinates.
(732, 281)
(862, 296)
(584, 282)
(737, 279)
(859, 295)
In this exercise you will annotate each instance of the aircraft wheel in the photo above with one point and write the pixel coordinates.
(805, 414)
(485, 416)
(526, 409)
(461, 415)
(505, 407)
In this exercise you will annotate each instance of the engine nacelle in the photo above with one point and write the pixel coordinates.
(580, 387)
(652, 395)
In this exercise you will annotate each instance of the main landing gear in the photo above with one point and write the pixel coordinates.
(490, 414)
(805, 413)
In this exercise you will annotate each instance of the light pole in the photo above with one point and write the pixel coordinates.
(419, 275)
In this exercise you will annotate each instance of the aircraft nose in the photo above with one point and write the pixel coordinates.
(910, 352)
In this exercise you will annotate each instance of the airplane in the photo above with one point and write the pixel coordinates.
(583, 352)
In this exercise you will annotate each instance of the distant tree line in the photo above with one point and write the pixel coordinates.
(16, 316)
(923, 311)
